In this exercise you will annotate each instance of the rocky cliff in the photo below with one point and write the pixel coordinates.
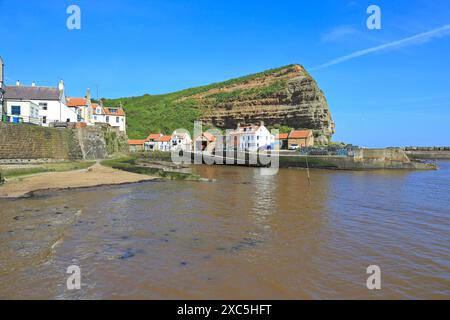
(286, 96)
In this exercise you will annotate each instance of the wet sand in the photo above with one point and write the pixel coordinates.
(97, 175)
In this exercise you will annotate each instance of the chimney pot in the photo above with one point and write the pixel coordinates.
(18, 83)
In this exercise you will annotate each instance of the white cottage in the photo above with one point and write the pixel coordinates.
(181, 140)
(164, 143)
(115, 117)
(252, 138)
(51, 102)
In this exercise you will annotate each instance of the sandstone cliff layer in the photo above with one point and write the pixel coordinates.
(286, 96)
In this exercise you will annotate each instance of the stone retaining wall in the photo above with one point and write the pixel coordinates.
(25, 143)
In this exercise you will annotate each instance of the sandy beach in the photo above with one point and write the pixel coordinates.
(97, 175)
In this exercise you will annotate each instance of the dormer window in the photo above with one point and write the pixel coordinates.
(98, 111)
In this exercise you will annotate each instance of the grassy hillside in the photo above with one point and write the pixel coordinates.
(167, 112)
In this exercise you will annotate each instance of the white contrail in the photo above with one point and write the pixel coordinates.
(421, 37)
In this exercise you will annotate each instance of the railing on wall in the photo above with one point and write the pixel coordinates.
(32, 120)
(21, 119)
(427, 148)
(329, 151)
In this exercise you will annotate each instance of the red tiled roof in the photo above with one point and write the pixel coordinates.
(209, 136)
(164, 139)
(300, 134)
(75, 102)
(119, 112)
(95, 106)
(282, 136)
(153, 136)
(136, 142)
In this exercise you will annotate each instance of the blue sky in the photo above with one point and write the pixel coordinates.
(393, 97)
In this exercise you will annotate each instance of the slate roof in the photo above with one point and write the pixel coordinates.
(32, 93)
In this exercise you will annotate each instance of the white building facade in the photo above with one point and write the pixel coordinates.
(164, 143)
(252, 138)
(115, 117)
(21, 112)
(181, 140)
(51, 102)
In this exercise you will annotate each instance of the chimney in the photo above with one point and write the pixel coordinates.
(239, 125)
(33, 84)
(61, 85)
(18, 83)
(88, 94)
(262, 123)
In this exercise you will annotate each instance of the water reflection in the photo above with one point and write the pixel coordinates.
(246, 236)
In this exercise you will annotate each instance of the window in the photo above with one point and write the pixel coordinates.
(107, 118)
(67, 120)
(43, 106)
(44, 119)
(15, 110)
(98, 111)
(117, 119)
(113, 110)
(95, 117)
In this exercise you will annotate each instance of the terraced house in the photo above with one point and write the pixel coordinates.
(37, 105)
(252, 138)
(115, 117)
(82, 106)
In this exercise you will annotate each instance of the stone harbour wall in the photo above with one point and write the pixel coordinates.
(24, 142)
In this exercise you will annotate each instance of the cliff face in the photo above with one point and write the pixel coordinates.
(287, 96)
(284, 96)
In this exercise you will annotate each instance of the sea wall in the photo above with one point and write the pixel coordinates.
(363, 159)
(430, 155)
(29, 143)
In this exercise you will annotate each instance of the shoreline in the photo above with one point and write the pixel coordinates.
(94, 176)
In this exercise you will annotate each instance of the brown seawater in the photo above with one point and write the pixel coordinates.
(245, 236)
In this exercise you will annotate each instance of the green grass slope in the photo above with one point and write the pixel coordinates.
(167, 112)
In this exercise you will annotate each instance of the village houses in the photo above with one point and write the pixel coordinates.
(281, 140)
(82, 106)
(181, 140)
(164, 143)
(46, 106)
(150, 142)
(37, 105)
(252, 138)
(205, 142)
(93, 113)
(300, 139)
(136, 145)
